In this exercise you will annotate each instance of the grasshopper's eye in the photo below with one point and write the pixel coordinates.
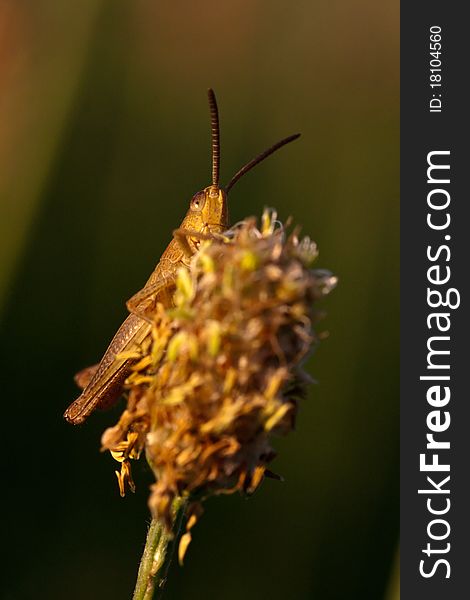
(198, 201)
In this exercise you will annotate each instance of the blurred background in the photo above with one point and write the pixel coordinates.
(104, 137)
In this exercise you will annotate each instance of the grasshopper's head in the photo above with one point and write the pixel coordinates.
(208, 211)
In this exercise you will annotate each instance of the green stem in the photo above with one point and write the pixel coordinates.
(157, 555)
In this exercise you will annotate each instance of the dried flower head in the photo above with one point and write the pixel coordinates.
(222, 371)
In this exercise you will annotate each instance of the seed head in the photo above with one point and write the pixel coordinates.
(222, 372)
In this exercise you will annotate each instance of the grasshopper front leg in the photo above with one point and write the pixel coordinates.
(181, 236)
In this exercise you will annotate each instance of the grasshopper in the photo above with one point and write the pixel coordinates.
(102, 384)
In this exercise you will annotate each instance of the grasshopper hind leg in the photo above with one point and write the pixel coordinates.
(143, 302)
(83, 377)
(102, 398)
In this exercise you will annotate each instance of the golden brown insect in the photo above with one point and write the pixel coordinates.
(207, 215)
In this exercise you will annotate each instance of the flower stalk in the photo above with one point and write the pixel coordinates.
(158, 554)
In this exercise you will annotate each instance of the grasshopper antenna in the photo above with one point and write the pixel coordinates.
(258, 159)
(215, 137)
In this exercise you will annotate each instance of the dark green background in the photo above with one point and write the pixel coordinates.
(104, 138)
